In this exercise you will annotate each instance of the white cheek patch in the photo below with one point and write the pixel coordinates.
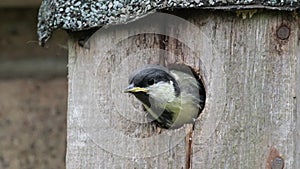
(162, 92)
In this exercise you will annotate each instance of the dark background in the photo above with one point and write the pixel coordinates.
(33, 91)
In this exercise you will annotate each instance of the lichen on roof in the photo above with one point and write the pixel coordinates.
(76, 15)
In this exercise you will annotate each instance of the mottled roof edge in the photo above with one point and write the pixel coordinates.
(76, 15)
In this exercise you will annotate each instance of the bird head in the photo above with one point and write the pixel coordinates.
(153, 83)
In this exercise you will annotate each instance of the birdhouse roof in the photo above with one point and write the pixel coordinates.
(77, 15)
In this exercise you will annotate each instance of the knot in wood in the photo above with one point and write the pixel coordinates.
(283, 32)
(277, 163)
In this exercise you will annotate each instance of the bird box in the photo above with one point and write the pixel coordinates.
(246, 55)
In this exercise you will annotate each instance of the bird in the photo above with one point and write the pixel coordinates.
(172, 96)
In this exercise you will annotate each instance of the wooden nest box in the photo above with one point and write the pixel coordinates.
(247, 54)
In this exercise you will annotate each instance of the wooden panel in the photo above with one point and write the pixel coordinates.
(108, 131)
(297, 120)
(254, 78)
(249, 70)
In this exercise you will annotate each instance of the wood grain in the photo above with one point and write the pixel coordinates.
(250, 78)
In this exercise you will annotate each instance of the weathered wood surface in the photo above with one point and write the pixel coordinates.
(250, 74)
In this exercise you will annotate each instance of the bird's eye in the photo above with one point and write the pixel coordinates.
(150, 81)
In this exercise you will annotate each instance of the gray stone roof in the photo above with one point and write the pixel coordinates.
(76, 15)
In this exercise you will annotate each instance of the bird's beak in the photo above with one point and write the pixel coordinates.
(132, 89)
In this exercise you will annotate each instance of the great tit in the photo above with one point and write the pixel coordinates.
(172, 96)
